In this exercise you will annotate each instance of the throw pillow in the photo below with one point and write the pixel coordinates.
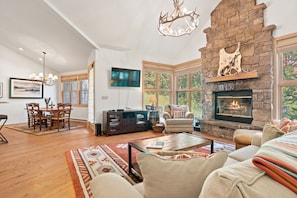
(174, 109)
(287, 125)
(176, 177)
(284, 122)
(270, 132)
(179, 114)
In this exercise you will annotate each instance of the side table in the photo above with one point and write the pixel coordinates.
(153, 118)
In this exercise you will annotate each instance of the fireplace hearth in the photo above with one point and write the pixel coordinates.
(235, 106)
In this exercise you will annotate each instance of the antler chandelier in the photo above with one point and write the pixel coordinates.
(180, 22)
(49, 80)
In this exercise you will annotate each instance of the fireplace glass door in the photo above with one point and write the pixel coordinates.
(234, 106)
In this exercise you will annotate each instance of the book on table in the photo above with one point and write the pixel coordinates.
(155, 144)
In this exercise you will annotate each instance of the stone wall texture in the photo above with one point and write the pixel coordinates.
(242, 21)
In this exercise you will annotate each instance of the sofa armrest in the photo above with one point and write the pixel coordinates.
(111, 185)
(166, 115)
(189, 115)
(256, 139)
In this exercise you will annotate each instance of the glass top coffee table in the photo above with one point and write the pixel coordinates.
(172, 142)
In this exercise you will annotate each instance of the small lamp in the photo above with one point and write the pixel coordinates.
(153, 100)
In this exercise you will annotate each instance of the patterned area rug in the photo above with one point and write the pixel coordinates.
(85, 164)
(24, 128)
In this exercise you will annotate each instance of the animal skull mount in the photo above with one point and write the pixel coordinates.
(230, 63)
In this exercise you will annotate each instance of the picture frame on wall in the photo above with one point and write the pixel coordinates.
(1, 89)
(25, 88)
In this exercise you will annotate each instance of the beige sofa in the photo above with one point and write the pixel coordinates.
(237, 178)
(178, 118)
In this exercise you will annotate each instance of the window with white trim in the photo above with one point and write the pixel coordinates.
(286, 77)
(75, 89)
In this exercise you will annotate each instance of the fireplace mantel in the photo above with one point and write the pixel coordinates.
(243, 75)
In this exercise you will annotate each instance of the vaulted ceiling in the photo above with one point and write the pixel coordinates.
(69, 29)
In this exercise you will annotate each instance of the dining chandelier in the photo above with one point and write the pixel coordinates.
(180, 22)
(49, 80)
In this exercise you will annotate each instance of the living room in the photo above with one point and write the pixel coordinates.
(107, 98)
(104, 60)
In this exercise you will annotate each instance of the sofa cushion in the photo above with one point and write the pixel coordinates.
(179, 121)
(242, 180)
(270, 132)
(176, 177)
(244, 153)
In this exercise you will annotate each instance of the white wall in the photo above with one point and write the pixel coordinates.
(15, 65)
(117, 97)
(282, 14)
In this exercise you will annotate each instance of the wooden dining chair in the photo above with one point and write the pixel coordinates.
(66, 116)
(57, 118)
(31, 113)
(35, 116)
(61, 117)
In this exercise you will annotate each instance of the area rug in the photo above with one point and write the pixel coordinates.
(84, 164)
(44, 131)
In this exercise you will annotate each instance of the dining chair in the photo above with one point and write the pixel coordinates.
(31, 113)
(66, 116)
(35, 116)
(62, 116)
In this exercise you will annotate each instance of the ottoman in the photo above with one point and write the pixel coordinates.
(243, 137)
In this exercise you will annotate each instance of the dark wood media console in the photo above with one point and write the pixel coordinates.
(117, 122)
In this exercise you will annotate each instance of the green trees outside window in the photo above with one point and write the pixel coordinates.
(189, 91)
(180, 84)
(158, 85)
(288, 84)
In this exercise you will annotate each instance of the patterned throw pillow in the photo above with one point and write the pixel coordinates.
(182, 176)
(179, 114)
(287, 125)
(175, 109)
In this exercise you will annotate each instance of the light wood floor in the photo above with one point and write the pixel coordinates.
(35, 166)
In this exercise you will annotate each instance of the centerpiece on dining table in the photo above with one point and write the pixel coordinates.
(47, 100)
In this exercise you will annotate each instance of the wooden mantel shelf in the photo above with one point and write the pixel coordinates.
(243, 75)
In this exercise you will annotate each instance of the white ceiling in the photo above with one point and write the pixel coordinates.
(69, 29)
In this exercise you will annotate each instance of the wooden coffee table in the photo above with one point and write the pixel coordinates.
(173, 142)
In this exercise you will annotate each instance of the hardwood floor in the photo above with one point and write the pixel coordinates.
(35, 166)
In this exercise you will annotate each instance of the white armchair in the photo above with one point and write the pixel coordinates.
(178, 118)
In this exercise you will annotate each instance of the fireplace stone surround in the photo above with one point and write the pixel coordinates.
(234, 21)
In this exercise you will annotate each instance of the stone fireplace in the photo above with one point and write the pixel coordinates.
(233, 22)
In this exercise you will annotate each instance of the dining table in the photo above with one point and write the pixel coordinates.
(50, 112)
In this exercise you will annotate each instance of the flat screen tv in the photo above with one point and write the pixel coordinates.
(121, 77)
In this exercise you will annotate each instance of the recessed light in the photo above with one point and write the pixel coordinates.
(21, 49)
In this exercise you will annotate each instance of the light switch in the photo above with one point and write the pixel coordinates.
(104, 97)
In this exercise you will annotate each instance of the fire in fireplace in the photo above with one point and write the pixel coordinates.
(234, 106)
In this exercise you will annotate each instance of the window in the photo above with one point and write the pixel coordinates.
(286, 77)
(75, 89)
(188, 91)
(186, 88)
(157, 87)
